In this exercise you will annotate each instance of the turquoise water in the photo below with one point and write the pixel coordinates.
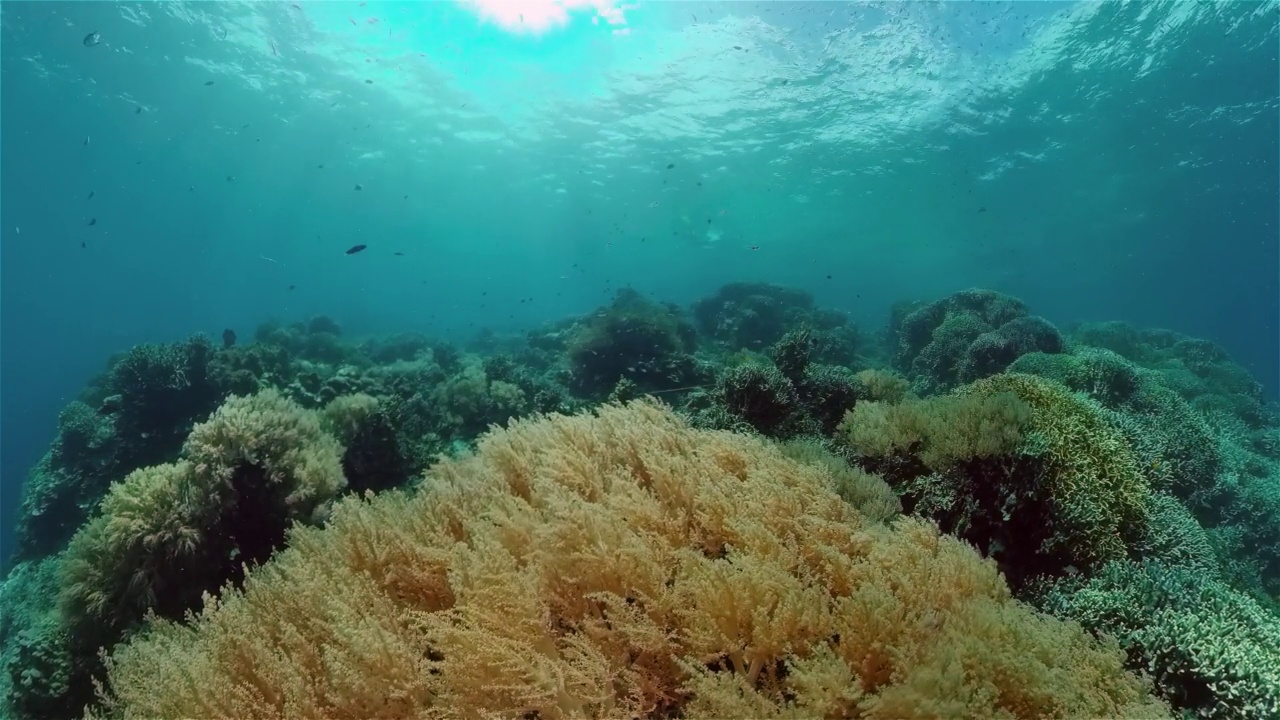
(208, 165)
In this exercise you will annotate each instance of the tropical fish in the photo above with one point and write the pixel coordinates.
(92, 39)
(355, 249)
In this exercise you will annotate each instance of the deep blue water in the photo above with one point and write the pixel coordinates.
(1101, 162)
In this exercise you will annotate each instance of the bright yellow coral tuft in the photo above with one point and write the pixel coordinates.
(620, 565)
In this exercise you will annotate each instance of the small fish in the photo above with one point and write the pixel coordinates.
(274, 51)
(86, 141)
(92, 39)
(82, 245)
(353, 21)
(295, 6)
(228, 338)
(207, 83)
(670, 165)
(982, 209)
(355, 249)
(93, 221)
(359, 186)
(292, 287)
(90, 195)
(406, 197)
(695, 17)
(231, 178)
(737, 47)
(753, 247)
(400, 254)
(138, 111)
(368, 82)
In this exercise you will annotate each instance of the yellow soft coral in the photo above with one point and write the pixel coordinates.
(165, 534)
(620, 565)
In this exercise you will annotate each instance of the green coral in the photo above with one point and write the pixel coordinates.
(1099, 496)
(1211, 650)
(168, 533)
(965, 336)
(1174, 538)
(468, 402)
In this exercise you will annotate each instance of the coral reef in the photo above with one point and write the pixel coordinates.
(621, 564)
(168, 533)
(1026, 470)
(646, 343)
(1124, 478)
(967, 336)
(135, 415)
(1212, 650)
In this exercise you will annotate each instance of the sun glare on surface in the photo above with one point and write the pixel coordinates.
(536, 17)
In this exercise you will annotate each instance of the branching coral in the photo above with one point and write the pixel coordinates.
(620, 565)
(1211, 650)
(1098, 494)
(1031, 473)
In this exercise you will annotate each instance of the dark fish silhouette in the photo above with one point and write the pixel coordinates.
(292, 287)
(138, 111)
(90, 195)
(92, 39)
(355, 249)
(982, 209)
(93, 221)
(670, 165)
(359, 186)
(400, 254)
(82, 245)
(207, 83)
(228, 338)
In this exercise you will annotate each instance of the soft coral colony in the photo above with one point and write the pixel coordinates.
(751, 510)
